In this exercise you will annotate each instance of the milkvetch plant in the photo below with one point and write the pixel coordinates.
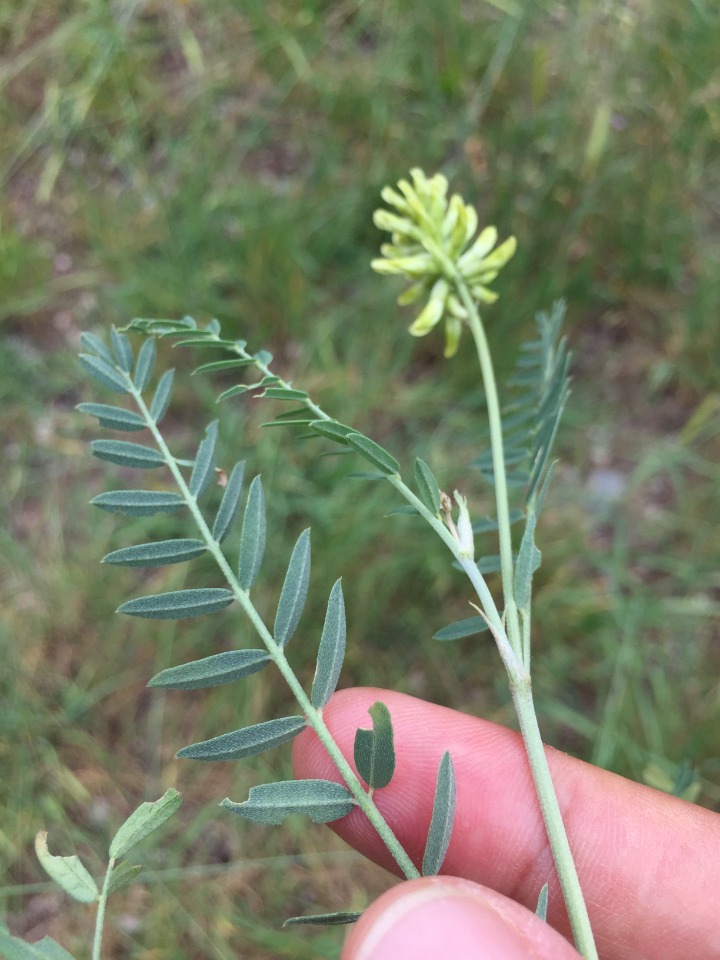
(434, 246)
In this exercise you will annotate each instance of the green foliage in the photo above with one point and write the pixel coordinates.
(270, 803)
(443, 817)
(142, 822)
(294, 591)
(247, 742)
(331, 652)
(374, 750)
(68, 872)
(462, 628)
(212, 671)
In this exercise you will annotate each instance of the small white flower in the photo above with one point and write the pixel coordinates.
(464, 528)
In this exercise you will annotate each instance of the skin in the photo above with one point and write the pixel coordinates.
(648, 863)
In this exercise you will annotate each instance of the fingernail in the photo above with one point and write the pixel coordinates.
(440, 920)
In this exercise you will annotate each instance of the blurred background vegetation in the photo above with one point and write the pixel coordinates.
(164, 158)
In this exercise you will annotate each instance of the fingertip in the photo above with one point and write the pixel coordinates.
(446, 916)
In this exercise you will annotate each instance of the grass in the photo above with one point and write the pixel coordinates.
(159, 160)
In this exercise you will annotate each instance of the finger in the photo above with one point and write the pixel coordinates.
(647, 862)
(448, 917)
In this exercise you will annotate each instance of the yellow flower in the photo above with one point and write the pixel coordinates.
(432, 245)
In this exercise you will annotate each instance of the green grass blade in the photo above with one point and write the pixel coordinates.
(331, 652)
(145, 364)
(127, 454)
(113, 418)
(139, 503)
(252, 537)
(163, 393)
(294, 591)
(374, 752)
(228, 508)
(443, 816)
(247, 742)
(212, 671)
(178, 604)
(158, 553)
(204, 469)
(321, 800)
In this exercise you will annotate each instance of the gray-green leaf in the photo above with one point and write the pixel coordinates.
(542, 904)
(528, 561)
(114, 418)
(462, 628)
(13, 948)
(373, 453)
(246, 742)
(68, 872)
(127, 454)
(443, 816)
(229, 503)
(144, 821)
(204, 468)
(331, 430)
(104, 373)
(123, 875)
(270, 803)
(178, 604)
(145, 364)
(284, 393)
(212, 671)
(428, 489)
(375, 750)
(252, 538)
(139, 503)
(294, 591)
(324, 919)
(88, 341)
(163, 392)
(122, 349)
(156, 554)
(331, 651)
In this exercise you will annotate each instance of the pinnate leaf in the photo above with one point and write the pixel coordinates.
(156, 554)
(252, 537)
(373, 453)
(113, 418)
(462, 628)
(145, 364)
(443, 815)
(104, 372)
(294, 591)
(163, 393)
(229, 503)
(321, 800)
(144, 821)
(139, 503)
(427, 485)
(68, 872)
(375, 750)
(331, 652)
(127, 454)
(324, 919)
(178, 604)
(204, 468)
(246, 742)
(212, 671)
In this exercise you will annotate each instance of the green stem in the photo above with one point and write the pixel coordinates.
(314, 716)
(100, 919)
(552, 817)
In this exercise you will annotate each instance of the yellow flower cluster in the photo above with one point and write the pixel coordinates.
(432, 245)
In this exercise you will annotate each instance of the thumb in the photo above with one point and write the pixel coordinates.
(448, 917)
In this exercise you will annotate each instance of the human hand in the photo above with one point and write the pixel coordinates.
(648, 863)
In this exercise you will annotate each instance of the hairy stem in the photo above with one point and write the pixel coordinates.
(314, 716)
